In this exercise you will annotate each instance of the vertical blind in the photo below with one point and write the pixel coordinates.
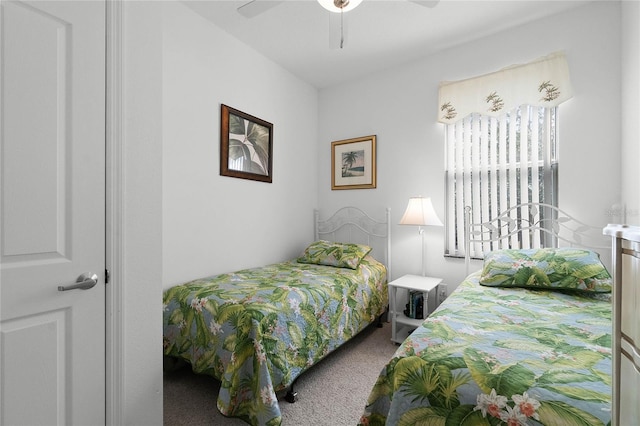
(494, 163)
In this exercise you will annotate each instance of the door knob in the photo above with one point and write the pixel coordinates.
(84, 282)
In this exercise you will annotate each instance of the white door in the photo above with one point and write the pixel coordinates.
(52, 207)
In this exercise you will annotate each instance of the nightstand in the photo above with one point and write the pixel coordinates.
(402, 325)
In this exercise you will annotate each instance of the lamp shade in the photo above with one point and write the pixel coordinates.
(420, 212)
(331, 6)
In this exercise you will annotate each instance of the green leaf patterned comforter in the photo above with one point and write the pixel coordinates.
(256, 330)
(491, 356)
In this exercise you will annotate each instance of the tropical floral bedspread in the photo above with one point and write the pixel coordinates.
(256, 330)
(491, 356)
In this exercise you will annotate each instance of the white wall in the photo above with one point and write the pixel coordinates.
(400, 106)
(631, 111)
(214, 224)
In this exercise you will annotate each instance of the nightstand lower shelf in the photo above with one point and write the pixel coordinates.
(405, 326)
(402, 325)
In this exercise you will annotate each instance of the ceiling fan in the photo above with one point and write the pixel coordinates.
(254, 8)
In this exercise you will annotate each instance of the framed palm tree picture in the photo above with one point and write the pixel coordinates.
(246, 145)
(353, 163)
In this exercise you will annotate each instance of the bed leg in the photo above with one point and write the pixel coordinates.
(291, 395)
(380, 320)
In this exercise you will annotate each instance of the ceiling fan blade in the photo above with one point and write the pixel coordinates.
(256, 7)
(426, 3)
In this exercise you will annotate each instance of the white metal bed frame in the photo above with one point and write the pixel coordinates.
(529, 225)
(352, 225)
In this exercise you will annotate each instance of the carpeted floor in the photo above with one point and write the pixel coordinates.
(332, 393)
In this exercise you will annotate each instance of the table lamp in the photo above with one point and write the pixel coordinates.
(420, 213)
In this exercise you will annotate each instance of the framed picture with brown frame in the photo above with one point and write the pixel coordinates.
(353, 163)
(246, 145)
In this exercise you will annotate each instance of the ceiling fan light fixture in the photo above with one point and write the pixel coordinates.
(338, 6)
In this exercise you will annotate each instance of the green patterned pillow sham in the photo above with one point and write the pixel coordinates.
(551, 269)
(341, 255)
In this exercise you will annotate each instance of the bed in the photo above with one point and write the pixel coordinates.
(526, 340)
(257, 330)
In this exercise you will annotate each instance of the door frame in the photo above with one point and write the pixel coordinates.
(115, 331)
(134, 117)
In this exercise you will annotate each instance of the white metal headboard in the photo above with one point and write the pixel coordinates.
(352, 225)
(528, 225)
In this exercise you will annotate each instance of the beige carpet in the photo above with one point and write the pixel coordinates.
(332, 393)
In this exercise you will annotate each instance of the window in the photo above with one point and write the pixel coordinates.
(501, 144)
(494, 163)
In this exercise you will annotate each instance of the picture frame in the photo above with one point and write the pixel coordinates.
(246, 145)
(353, 163)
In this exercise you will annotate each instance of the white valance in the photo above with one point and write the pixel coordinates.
(543, 82)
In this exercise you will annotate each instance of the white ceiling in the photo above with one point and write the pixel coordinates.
(303, 37)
